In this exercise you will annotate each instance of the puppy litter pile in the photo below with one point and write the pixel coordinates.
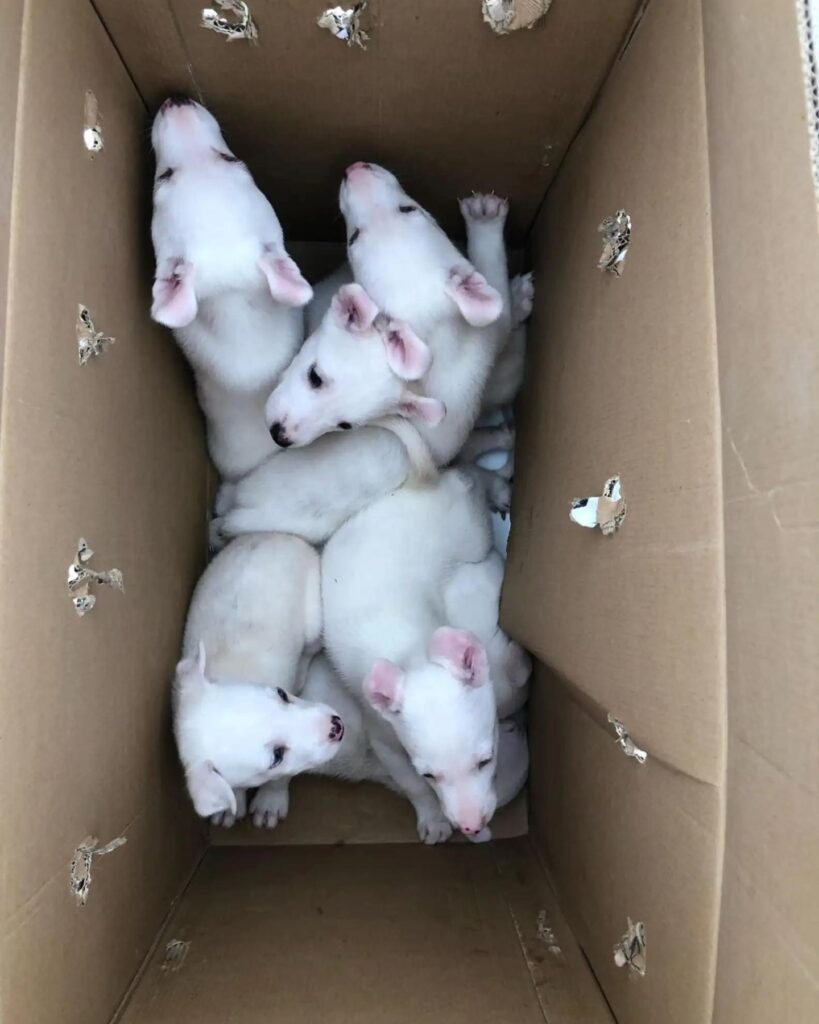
(347, 624)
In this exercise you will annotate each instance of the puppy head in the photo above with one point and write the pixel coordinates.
(384, 223)
(444, 714)
(212, 227)
(351, 370)
(237, 735)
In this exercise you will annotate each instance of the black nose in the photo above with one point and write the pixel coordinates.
(279, 436)
(336, 728)
(176, 99)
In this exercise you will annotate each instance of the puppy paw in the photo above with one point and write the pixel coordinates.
(216, 537)
(522, 296)
(433, 828)
(482, 208)
(269, 806)
(499, 494)
(226, 819)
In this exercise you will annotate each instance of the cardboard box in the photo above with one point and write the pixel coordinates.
(693, 375)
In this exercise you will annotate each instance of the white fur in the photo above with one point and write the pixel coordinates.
(311, 491)
(412, 271)
(253, 624)
(224, 281)
(386, 576)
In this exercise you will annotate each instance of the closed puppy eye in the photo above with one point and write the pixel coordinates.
(483, 764)
(278, 756)
(314, 378)
(354, 236)
(283, 694)
(407, 209)
(430, 776)
(165, 175)
(229, 158)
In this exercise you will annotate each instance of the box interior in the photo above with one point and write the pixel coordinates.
(693, 376)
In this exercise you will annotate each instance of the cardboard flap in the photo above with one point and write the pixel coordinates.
(622, 381)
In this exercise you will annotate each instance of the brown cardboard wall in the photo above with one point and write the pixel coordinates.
(767, 306)
(112, 452)
(622, 378)
(437, 96)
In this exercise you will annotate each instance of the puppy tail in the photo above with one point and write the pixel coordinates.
(423, 469)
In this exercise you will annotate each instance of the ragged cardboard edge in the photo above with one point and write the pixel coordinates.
(345, 24)
(81, 876)
(505, 16)
(607, 510)
(176, 951)
(630, 951)
(92, 124)
(81, 576)
(90, 341)
(627, 744)
(807, 19)
(241, 27)
(616, 232)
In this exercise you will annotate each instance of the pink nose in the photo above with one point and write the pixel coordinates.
(473, 828)
(359, 165)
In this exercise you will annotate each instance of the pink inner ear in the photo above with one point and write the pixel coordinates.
(353, 308)
(285, 280)
(480, 304)
(419, 407)
(407, 355)
(461, 653)
(174, 297)
(384, 686)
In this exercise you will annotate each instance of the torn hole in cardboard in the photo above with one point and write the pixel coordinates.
(239, 26)
(505, 16)
(345, 23)
(81, 577)
(82, 862)
(608, 510)
(807, 19)
(92, 124)
(90, 341)
(627, 744)
(546, 935)
(175, 952)
(616, 232)
(630, 951)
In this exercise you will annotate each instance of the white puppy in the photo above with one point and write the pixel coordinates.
(256, 616)
(428, 688)
(463, 321)
(356, 761)
(224, 281)
(461, 308)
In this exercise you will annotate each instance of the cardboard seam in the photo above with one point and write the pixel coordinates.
(721, 835)
(584, 120)
(119, 1012)
(598, 714)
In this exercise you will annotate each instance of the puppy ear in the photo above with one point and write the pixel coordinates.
(284, 279)
(174, 296)
(461, 653)
(353, 309)
(409, 357)
(480, 304)
(209, 791)
(419, 407)
(384, 687)
(190, 672)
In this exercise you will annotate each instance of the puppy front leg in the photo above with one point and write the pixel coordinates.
(225, 819)
(433, 826)
(485, 217)
(483, 440)
(271, 803)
